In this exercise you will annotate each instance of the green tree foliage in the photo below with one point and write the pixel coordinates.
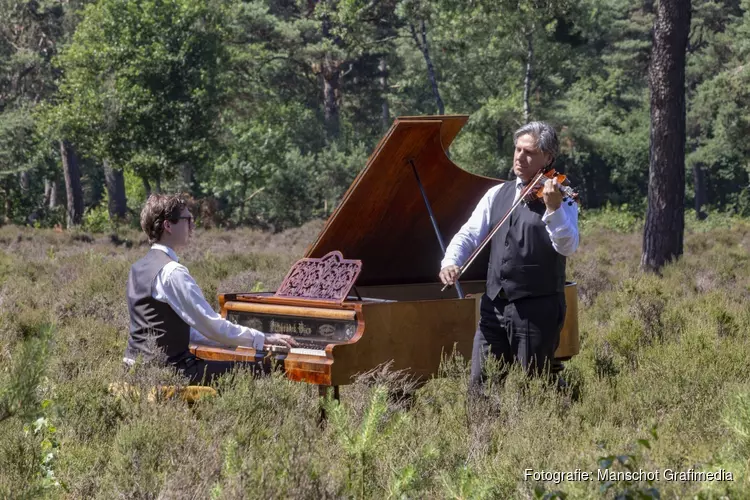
(606, 113)
(720, 95)
(283, 161)
(29, 33)
(143, 83)
(271, 107)
(482, 53)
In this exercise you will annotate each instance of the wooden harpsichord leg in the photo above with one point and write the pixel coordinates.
(323, 392)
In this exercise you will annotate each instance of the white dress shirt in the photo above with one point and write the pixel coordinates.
(562, 227)
(176, 287)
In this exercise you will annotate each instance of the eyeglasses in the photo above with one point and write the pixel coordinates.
(190, 219)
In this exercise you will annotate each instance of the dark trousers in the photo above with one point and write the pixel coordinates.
(526, 331)
(202, 372)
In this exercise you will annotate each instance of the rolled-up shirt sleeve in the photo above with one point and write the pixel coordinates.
(184, 295)
(467, 239)
(562, 227)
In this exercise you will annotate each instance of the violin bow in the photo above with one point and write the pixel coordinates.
(526, 190)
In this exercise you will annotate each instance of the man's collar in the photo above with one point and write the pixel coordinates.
(166, 250)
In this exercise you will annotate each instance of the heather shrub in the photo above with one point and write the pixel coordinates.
(7, 263)
(145, 450)
(666, 352)
(20, 454)
(620, 219)
(735, 454)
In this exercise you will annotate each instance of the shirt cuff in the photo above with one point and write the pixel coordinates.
(447, 262)
(556, 219)
(259, 341)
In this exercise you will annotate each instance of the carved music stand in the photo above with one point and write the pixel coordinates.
(328, 279)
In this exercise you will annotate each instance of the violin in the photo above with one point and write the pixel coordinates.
(537, 192)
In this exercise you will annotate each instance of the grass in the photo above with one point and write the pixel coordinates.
(669, 353)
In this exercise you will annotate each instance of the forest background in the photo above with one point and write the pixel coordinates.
(264, 111)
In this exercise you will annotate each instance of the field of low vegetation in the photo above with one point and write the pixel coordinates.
(662, 380)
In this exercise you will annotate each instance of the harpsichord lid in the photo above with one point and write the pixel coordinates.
(382, 219)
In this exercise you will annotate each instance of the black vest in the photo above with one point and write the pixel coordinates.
(523, 262)
(149, 317)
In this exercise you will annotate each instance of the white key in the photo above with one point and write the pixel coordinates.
(309, 352)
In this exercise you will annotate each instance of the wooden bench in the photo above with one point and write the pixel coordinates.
(189, 394)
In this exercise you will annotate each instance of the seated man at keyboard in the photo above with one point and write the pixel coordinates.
(166, 304)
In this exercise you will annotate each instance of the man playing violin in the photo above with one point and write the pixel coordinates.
(523, 309)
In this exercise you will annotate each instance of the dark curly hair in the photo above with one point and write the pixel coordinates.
(158, 208)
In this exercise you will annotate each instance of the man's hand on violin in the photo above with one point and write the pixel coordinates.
(448, 274)
(552, 195)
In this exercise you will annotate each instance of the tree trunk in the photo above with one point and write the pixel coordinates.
(47, 192)
(331, 73)
(331, 84)
(386, 113)
(146, 185)
(7, 206)
(53, 194)
(115, 182)
(424, 47)
(24, 180)
(527, 77)
(665, 218)
(701, 197)
(73, 188)
(186, 170)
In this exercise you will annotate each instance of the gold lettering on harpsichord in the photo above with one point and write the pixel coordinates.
(290, 328)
